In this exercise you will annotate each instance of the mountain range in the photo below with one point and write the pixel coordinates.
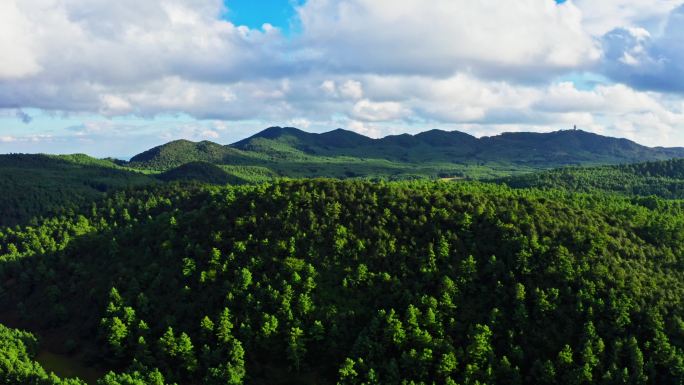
(45, 184)
(453, 151)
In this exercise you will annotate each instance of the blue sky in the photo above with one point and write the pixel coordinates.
(115, 78)
(254, 14)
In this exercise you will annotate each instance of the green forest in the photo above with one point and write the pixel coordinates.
(664, 179)
(341, 192)
(196, 263)
(322, 281)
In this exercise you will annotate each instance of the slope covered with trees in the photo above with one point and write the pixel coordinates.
(452, 150)
(324, 282)
(202, 172)
(39, 185)
(180, 152)
(42, 185)
(663, 178)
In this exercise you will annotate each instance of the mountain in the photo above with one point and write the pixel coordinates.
(35, 185)
(149, 273)
(305, 141)
(570, 147)
(456, 152)
(339, 142)
(40, 184)
(346, 282)
(179, 152)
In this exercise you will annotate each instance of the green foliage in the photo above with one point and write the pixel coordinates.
(289, 152)
(536, 149)
(202, 172)
(180, 152)
(45, 185)
(17, 351)
(136, 378)
(664, 179)
(351, 282)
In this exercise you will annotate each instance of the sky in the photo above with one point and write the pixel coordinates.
(113, 78)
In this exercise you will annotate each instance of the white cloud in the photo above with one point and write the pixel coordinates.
(366, 129)
(600, 17)
(492, 38)
(18, 57)
(113, 104)
(101, 46)
(374, 66)
(351, 89)
(299, 123)
(367, 110)
(329, 87)
(647, 61)
(604, 98)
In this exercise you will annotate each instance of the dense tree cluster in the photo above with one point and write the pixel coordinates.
(45, 185)
(321, 281)
(16, 364)
(664, 179)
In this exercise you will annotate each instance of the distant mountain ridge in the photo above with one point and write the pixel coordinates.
(523, 149)
(41, 184)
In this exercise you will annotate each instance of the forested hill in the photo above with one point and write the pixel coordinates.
(533, 150)
(38, 185)
(350, 282)
(663, 178)
(42, 185)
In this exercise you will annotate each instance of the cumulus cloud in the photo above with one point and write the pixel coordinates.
(600, 17)
(378, 111)
(374, 66)
(19, 59)
(512, 39)
(350, 89)
(84, 55)
(645, 61)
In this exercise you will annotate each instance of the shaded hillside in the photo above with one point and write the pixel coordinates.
(36, 185)
(328, 282)
(200, 171)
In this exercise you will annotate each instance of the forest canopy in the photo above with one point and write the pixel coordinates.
(353, 282)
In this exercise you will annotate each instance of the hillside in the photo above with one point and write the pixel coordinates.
(179, 152)
(325, 282)
(539, 149)
(287, 150)
(43, 184)
(37, 185)
(201, 172)
(663, 178)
